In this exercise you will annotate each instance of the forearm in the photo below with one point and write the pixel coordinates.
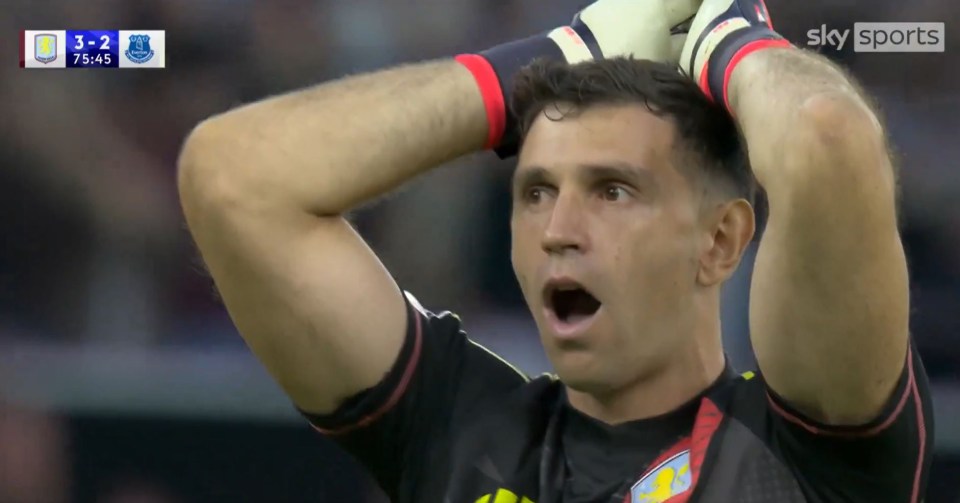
(804, 119)
(327, 149)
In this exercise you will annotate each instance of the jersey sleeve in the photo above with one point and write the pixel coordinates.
(402, 425)
(886, 460)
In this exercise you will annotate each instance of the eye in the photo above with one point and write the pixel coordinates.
(535, 195)
(613, 192)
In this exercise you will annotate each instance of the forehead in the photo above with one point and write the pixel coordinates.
(621, 134)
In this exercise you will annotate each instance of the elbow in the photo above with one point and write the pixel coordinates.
(196, 168)
(836, 164)
(841, 124)
(208, 171)
(842, 143)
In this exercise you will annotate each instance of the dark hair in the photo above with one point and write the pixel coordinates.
(708, 140)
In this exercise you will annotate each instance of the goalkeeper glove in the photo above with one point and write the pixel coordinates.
(721, 35)
(644, 29)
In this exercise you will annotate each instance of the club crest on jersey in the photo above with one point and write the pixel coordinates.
(668, 479)
(45, 47)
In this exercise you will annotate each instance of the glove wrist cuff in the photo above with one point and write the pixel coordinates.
(492, 94)
(715, 75)
(494, 70)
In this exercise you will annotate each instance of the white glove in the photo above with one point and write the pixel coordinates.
(723, 32)
(644, 29)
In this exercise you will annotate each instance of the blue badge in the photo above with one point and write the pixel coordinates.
(45, 47)
(139, 51)
(667, 480)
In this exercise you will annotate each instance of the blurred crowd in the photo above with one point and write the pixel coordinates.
(94, 247)
(97, 250)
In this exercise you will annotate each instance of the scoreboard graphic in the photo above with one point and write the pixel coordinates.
(93, 49)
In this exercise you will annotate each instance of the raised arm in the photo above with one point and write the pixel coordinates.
(264, 189)
(829, 302)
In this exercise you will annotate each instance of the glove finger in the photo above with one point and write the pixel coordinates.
(678, 11)
(709, 10)
(676, 46)
(576, 17)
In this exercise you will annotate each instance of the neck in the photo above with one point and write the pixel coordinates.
(662, 390)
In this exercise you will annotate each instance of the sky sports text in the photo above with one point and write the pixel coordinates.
(882, 37)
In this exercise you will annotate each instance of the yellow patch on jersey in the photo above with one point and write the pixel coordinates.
(503, 496)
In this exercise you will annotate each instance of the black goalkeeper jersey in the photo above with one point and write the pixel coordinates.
(453, 423)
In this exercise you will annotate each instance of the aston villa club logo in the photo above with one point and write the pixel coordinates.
(670, 478)
(45, 47)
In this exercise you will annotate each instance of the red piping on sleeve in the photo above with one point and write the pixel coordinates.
(397, 393)
(909, 389)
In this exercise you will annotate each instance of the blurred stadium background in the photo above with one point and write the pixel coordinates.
(121, 378)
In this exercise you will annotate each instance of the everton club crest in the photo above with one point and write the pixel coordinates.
(139, 51)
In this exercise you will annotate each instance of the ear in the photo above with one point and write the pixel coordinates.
(729, 227)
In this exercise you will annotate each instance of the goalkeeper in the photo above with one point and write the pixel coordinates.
(632, 205)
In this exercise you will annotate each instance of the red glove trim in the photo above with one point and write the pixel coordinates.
(492, 95)
(738, 56)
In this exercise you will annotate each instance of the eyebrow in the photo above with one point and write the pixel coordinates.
(535, 175)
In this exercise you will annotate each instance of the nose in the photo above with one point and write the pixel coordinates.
(566, 228)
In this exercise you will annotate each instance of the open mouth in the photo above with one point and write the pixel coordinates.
(570, 302)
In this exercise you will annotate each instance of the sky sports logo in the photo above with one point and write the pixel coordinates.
(882, 37)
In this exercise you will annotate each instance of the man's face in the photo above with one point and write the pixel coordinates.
(605, 243)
